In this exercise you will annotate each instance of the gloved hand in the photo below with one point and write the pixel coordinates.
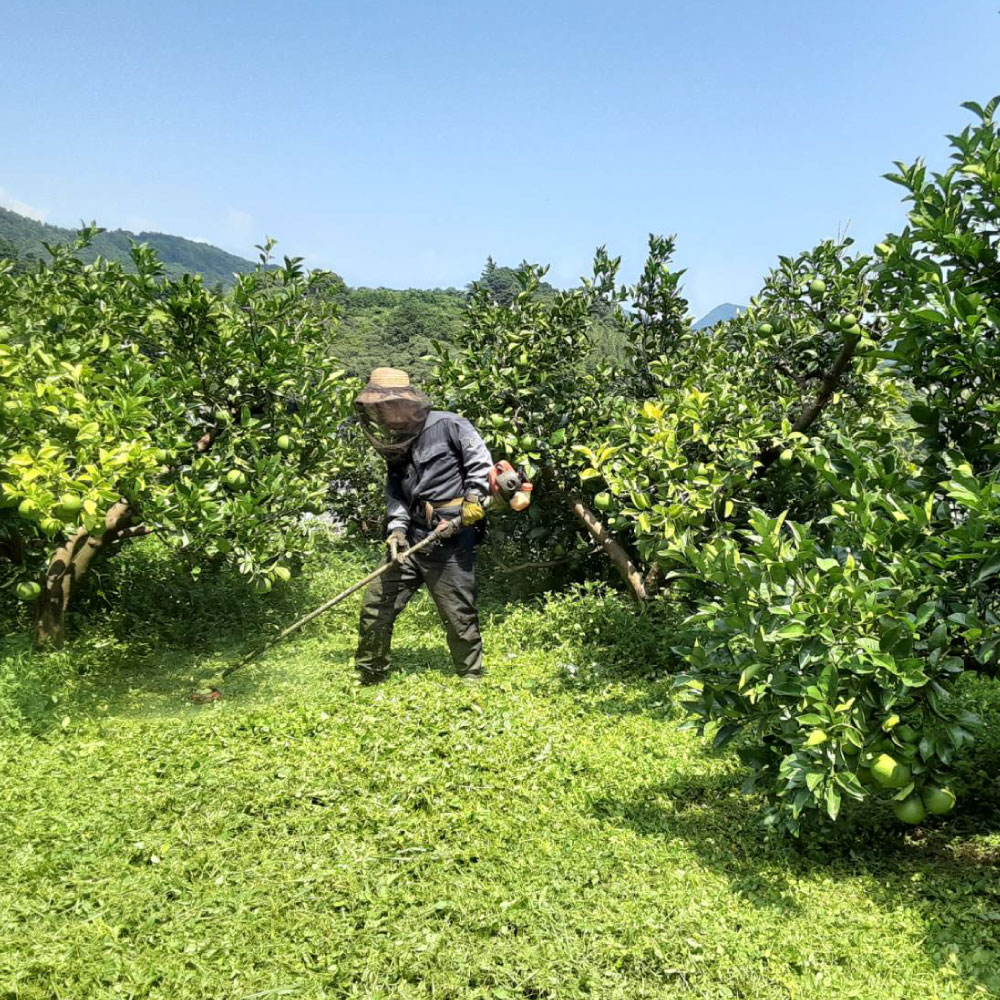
(397, 544)
(472, 509)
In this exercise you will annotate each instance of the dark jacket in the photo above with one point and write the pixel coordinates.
(448, 460)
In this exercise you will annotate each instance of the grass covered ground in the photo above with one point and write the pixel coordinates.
(552, 835)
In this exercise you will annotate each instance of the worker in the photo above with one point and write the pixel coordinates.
(437, 468)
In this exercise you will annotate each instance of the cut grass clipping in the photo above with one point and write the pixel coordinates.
(553, 834)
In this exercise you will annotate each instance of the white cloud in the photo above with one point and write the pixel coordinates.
(7, 200)
(237, 219)
(139, 224)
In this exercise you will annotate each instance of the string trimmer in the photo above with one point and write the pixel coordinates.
(506, 483)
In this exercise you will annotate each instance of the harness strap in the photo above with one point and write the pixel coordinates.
(429, 508)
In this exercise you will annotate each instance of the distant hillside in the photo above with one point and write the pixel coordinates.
(718, 315)
(178, 254)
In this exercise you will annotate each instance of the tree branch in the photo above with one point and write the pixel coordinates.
(769, 455)
(618, 556)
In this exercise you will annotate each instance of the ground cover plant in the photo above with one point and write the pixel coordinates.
(554, 834)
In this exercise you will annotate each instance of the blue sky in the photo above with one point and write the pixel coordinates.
(400, 143)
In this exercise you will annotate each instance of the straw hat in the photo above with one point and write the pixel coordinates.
(389, 383)
(388, 378)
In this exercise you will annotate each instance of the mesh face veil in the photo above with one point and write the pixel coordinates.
(392, 416)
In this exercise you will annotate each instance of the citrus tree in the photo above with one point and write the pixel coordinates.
(135, 405)
(820, 479)
(525, 373)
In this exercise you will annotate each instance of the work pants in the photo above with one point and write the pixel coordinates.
(449, 571)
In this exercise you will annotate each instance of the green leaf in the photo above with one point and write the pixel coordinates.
(988, 569)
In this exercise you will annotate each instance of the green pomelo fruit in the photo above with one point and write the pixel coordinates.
(285, 443)
(528, 442)
(262, 586)
(910, 810)
(236, 478)
(282, 573)
(602, 501)
(765, 329)
(817, 286)
(28, 591)
(889, 772)
(907, 734)
(69, 506)
(848, 319)
(939, 801)
(51, 525)
(29, 509)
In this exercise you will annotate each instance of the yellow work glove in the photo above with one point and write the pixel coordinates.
(472, 509)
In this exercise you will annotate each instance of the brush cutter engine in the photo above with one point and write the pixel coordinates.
(510, 485)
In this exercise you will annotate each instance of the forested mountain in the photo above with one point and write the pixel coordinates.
(378, 326)
(23, 238)
(386, 326)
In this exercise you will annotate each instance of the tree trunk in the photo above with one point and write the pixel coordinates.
(618, 556)
(67, 568)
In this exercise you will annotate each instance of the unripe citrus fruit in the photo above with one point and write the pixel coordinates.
(910, 810)
(602, 501)
(889, 772)
(939, 801)
(906, 733)
(528, 442)
(29, 509)
(854, 330)
(765, 329)
(28, 590)
(848, 319)
(236, 478)
(285, 443)
(68, 508)
(283, 573)
(51, 525)
(262, 586)
(817, 287)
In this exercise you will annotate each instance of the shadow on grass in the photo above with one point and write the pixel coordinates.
(949, 871)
